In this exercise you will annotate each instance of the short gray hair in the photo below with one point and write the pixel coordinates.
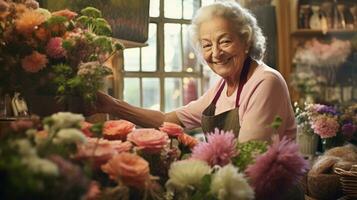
(245, 25)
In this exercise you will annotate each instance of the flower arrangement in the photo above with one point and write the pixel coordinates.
(139, 163)
(331, 123)
(60, 53)
(315, 53)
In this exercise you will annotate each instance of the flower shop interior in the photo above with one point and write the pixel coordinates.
(55, 55)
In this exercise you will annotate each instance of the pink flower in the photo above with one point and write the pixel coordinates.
(93, 191)
(117, 129)
(54, 48)
(132, 169)
(219, 149)
(325, 126)
(149, 140)
(65, 13)
(187, 140)
(101, 150)
(275, 171)
(34, 62)
(172, 129)
(85, 128)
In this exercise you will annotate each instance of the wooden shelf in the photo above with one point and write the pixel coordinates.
(130, 44)
(304, 32)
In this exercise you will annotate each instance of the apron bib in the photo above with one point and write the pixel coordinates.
(229, 120)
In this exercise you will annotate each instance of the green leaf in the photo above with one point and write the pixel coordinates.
(277, 122)
(91, 12)
(55, 20)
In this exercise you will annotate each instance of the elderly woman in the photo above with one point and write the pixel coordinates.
(247, 98)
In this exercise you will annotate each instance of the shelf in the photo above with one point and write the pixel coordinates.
(302, 32)
(130, 44)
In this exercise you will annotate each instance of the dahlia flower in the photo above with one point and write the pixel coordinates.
(34, 62)
(28, 22)
(218, 150)
(277, 170)
(54, 48)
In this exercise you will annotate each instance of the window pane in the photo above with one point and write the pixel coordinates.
(190, 61)
(148, 54)
(206, 2)
(154, 8)
(173, 61)
(131, 59)
(173, 9)
(190, 90)
(189, 7)
(151, 93)
(131, 91)
(173, 94)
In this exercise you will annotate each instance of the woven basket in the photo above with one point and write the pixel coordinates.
(348, 179)
(324, 186)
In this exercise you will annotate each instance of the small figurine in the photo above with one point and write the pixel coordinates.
(19, 106)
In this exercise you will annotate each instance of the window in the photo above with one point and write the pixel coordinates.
(165, 74)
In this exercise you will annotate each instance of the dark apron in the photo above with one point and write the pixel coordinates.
(229, 120)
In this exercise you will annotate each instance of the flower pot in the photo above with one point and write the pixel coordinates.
(307, 142)
(336, 141)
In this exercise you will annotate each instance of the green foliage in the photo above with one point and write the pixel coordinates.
(91, 12)
(248, 151)
(276, 123)
(92, 19)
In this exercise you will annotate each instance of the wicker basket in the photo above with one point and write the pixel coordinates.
(348, 179)
(324, 186)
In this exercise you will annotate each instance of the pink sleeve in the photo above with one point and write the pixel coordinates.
(190, 115)
(269, 99)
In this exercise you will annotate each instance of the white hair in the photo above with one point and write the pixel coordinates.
(245, 26)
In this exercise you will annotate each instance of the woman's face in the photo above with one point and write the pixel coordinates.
(222, 49)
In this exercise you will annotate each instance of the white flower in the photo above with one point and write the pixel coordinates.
(69, 135)
(228, 184)
(186, 174)
(65, 120)
(25, 148)
(41, 166)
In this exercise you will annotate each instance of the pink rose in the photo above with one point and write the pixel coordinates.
(187, 140)
(172, 129)
(101, 150)
(132, 169)
(117, 129)
(149, 140)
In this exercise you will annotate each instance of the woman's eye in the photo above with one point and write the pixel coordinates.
(205, 46)
(225, 42)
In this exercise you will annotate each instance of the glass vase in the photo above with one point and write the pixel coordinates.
(329, 143)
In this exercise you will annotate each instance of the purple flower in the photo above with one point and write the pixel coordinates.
(277, 170)
(348, 129)
(326, 109)
(219, 149)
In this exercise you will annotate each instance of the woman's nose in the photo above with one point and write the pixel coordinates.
(216, 52)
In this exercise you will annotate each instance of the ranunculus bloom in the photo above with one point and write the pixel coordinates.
(54, 48)
(34, 62)
(65, 13)
(172, 129)
(187, 140)
(101, 150)
(149, 140)
(117, 129)
(132, 169)
(85, 127)
(28, 22)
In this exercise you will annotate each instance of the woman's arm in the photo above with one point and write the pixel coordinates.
(139, 116)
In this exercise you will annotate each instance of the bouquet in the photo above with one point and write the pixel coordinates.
(60, 53)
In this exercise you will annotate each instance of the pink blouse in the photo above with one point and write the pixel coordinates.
(264, 96)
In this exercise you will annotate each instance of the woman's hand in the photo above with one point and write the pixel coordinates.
(104, 104)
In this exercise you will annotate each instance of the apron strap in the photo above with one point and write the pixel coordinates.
(242, 81)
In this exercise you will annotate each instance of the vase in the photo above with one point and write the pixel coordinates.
(331, 142)
(307, 142)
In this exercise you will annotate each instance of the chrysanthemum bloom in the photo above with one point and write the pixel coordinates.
(185, 174)
(34, 62)
(218, 150)
(148, 140)
(65, 13)
(117, 129)
(54, 48)
(131, 169)
(187, 140)
(325, 126)
(172, 129)
(28, 22)
(277, 170)
(228, 184)
(101, 150)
